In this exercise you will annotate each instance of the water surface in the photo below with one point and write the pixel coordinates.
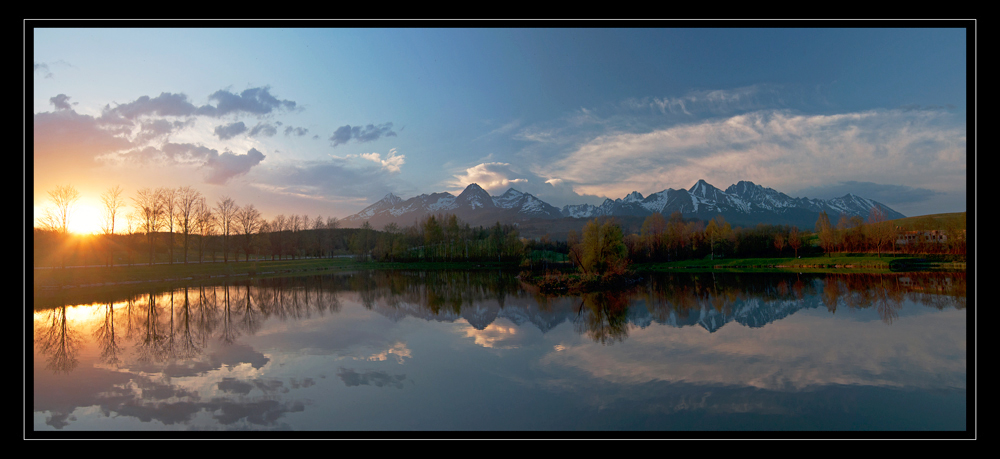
(478, 351)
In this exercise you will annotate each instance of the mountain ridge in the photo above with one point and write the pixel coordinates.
(743, 203)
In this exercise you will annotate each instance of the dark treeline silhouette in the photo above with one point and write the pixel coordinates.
(439, 238)
(675, 239)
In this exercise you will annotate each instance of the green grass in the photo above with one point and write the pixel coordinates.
(932, 221)
(96, 276)
(822, 263)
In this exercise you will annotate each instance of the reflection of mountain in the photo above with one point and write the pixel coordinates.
(710, 306)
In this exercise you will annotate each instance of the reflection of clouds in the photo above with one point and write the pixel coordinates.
(354, 378)
(788, 355)
(495, 335)
(398, 351)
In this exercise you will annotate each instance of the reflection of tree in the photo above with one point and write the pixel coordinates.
(104, 335)
(58, 341)
(188, 347)
(888, 298)
(604, 316)
(148, 347)
(831, 293)
(229, 333)
(251, 321)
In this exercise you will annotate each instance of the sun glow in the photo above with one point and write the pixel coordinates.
(84, 219)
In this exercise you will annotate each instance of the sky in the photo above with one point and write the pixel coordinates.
(326, 121)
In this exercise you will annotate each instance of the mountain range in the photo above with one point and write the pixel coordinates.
(742, 204)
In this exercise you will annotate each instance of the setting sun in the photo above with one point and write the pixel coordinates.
(85, 219)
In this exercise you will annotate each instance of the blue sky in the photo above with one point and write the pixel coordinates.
(327, 121)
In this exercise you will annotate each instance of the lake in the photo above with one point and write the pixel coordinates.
(477, 353)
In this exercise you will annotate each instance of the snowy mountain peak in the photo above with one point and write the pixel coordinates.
(475, 197)
(634, 196)
(391, 199)
(744, 202)
(703, 189)
(511, 193)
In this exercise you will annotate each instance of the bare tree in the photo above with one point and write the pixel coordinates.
(332, 223)
(249, 221)
(113, 201)
(278, 227)
(131, 223)
(225, 211)
(795, 240)
(149, 208)
(57, 217)
(169, 197)
(295, 224)
(187, 206)
(880, 231)
(205, 224)
(317, 227)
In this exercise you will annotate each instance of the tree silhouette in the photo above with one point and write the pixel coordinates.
(225, 211)
(149, 209)
(63, 199)
(113, 202)
(187, 213)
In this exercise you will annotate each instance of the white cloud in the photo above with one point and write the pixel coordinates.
(391, 163)
(492, 177)
(777, 149)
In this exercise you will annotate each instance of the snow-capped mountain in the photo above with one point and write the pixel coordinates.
(474, 205)
(526, 205)
(744, 203)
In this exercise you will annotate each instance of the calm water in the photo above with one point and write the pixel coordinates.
(460, 351)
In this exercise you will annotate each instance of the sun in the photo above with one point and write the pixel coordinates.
(84, 219)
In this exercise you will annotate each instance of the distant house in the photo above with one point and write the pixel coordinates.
(917, 237)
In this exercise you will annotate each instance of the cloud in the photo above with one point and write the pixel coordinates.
(895, 194)
(220, 167)
(497, 177)
(360, 134)
(66, 140)
(774, 148)
(166, 104)
(264, 129)
(43, 68)
(157, 128)
(227, 165)
(493, 177)
(718, 101)
(505, 129)
(61, 102)
(182, 153)
(329, 181)
(299, 131)
(225, 132)
(253, 101)
(391, 163)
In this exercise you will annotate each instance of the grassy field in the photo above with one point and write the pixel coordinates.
(932, 222)
(51, 278)
(822, 263)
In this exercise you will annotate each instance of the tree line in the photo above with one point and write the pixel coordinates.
(159, 222)
(439, 238)
(179, 225)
